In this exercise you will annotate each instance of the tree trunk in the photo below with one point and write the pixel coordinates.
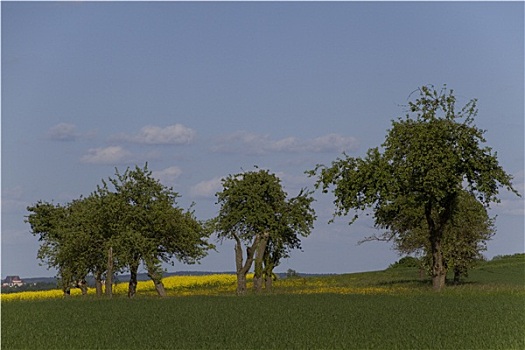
(98, 283)
(241, 283)
(82, 284)
(269, 264)
(438, 268)
(109, 274)
(241, 274)
(159, 286)
(155, 273)
(132, 286)
(258, 273)
(268, 283)
(257, 281)
(439, 272)
(457, 275)
(65, 283)
(241, 269)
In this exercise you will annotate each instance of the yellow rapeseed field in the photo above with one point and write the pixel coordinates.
(218, 284)
(174, 285)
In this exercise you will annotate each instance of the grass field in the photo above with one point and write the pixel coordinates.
(389, 309)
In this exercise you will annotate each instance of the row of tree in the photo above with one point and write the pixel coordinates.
(133, 219)
(429, 189)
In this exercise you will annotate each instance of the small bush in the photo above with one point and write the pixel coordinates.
(406, 261)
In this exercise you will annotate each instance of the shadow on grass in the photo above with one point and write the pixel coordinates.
(427, 282)
(404, 282)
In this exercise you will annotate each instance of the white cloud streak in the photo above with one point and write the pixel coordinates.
(12, 200)
(206, 189)
(167, 176)
(63, 132)
(176, 134)
(107, 155)
(254, 144)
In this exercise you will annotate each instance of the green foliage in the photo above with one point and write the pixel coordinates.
(426, 159)
(152, 226)
(251, 204)
(464, 236)
(67, 244)
(406, 261)
(255, 211)
(134, 215)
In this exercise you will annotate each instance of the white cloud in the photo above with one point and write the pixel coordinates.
(176, 134)
(288, 144)
(107, 155)
(168, 175)
(242, 142)
(294, 182)
(10, 205)
(206, 189)
(251, 143)
(63, 132)
(333, 143)
(16, 236)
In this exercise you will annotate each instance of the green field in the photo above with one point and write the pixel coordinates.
(488, 312)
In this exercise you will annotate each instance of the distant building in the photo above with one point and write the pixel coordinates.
(12, 281)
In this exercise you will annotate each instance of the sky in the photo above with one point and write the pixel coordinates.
(201, 90)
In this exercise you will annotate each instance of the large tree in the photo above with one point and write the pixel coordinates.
(299, 220)
(46, 220)
(428, 158)
(70, 241)
(152, 228)
(86, 238)
(255, 212)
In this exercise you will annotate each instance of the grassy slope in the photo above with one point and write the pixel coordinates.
(486, 313)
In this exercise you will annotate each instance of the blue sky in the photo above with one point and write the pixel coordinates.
(200, 90)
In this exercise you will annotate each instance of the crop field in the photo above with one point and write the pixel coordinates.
(390, 309)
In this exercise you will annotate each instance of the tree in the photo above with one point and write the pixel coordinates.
(95, 224)
(45, 220)
(426, 161)
(464, 237)
(151, 228)
(254, 211)
(66, 244)
(299, 220)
